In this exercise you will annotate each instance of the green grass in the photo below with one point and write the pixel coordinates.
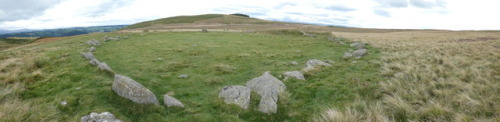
(173, 20)
(212, 61)
(12, 42)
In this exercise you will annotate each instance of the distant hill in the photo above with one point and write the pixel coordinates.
(235, 23)
(64, 31)
(206, 19)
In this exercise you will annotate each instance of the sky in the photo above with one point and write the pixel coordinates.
(387, 14)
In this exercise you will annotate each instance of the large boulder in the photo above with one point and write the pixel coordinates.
(294, 74)
(239, 95)
(128, 88)
(102, 117)
(171, 101)
(359, 53)
(268, 102)
(265, 83)
(88, 55)
(311, 64)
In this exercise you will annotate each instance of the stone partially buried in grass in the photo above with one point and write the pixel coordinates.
(88, 55)
(294, 74)
(104, 66)
(239, 95)
(268, 102)
(102, 117)
(313, 63)
(126, 87)
(359, 53)
(171, 101)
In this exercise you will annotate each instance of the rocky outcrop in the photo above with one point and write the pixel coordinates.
(102, 117)
(294, 74)
(126, 87)
(313, 63)
(171, 101)
(239, 95)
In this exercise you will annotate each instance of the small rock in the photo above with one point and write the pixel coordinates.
(88, 55)
(91, 49)
(183, 76)
(355, 44)
(171, 101)
(347, 55)
(104, 66)
(93, 42)
(294, 74)
(294, 63)
(359, 53)
(102, 117)
(239, 95)
(353, 62)
(126, 87)
(159, 59)
(64, 103)
(311, 64)
(94, 62)
(361, 46)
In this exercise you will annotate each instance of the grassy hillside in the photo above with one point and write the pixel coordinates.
(12, 42)
(39, 78)
(205, 19)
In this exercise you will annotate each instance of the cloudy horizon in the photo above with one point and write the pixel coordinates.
(386, 14)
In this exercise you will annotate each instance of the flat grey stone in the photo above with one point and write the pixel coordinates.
(126, 87)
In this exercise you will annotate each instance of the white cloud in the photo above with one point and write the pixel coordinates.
(399, 14)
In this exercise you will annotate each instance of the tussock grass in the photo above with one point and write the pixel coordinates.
(431, 78)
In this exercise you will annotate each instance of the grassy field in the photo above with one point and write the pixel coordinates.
(432, 76)
(36, 79)
(6, 43)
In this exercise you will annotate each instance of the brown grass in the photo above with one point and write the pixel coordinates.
(431, 78)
